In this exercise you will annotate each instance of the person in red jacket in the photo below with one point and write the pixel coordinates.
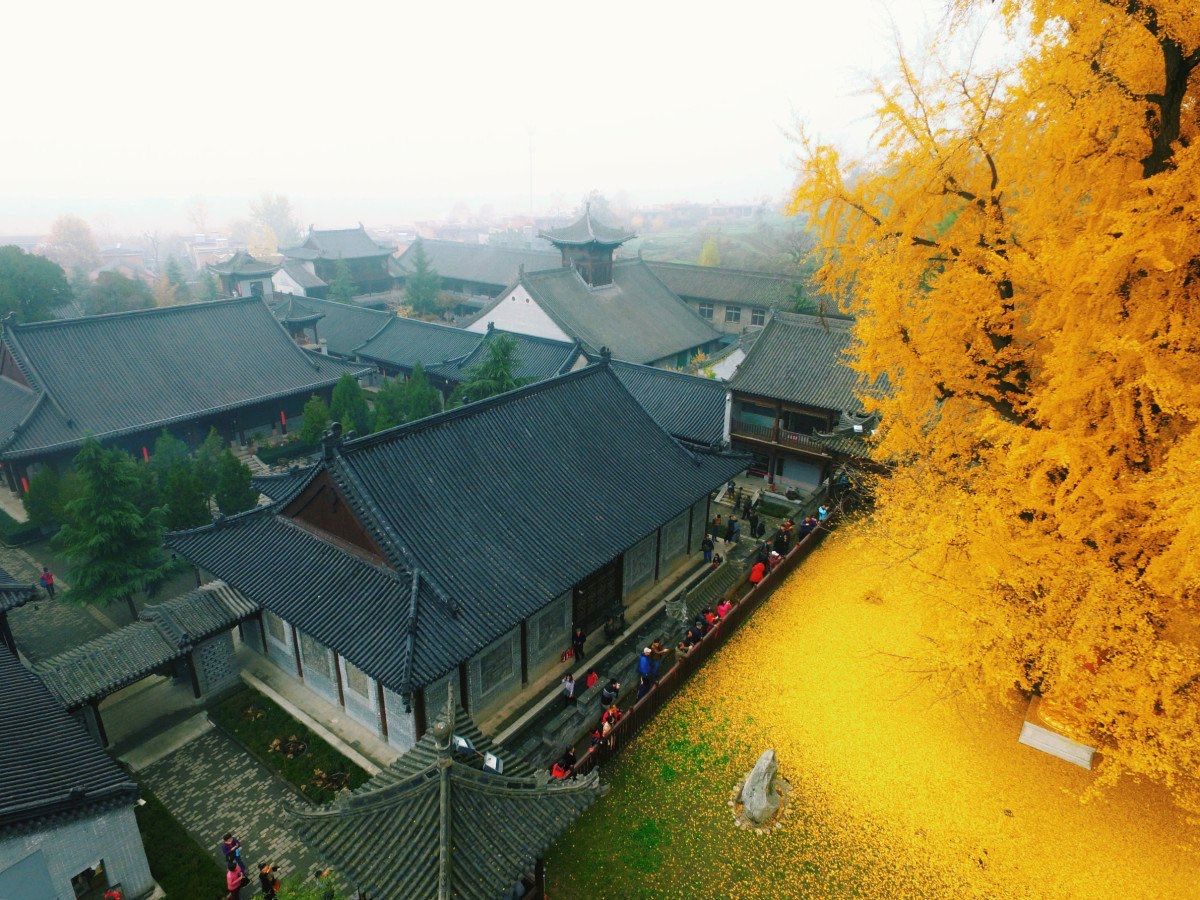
(758, 573)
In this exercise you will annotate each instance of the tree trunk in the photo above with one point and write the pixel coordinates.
(132, 608)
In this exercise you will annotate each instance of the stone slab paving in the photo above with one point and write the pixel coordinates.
(211, 785)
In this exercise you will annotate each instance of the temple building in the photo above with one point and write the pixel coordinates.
(731, 300)
(476, 270)
(328, 326)
(461, 549)
(67, 825)
(454, 817)
(310, 266)
(601, 302)
(793, 402)
(122, 378)
(244, 276)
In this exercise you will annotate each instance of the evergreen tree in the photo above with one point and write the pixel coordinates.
(43, 500)
(169, 452)
(111, 541)
(234, 493)
(206, 287)
(349, 405)
(422, 284)
(187, 501)
(113, 292)
(316, 420)
(423, 398)
(206, 460)
(342, 286)
(183, 290)
(30, 286)
(494, 375)
(401, 401)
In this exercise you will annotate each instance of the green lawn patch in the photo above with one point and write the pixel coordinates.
(182, 868)
(285, 746)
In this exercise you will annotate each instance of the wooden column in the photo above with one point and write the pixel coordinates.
(262, 632)
(657, 552)
(691, 517)
(296, 653)
(463, 686)
(524, 652)
(383, 728)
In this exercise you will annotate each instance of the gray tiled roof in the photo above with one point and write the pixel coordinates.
(244, 265)
(127, 372)
(404, 342)
(537, 358)
(685, 406)
(479, 263)
(278, 485)
(637, 317)
(434, 825)
(801, 359)
(50, 768)
(574, 466)
(299, 274)
(343, 326)
(727, 285)
(14, 594)
(163, 633)
(588, 230)
(339, 243)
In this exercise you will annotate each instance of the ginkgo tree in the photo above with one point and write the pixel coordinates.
(1022, 255)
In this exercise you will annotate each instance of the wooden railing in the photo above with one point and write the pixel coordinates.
(640, 714)
(798, 440)
(750, 429)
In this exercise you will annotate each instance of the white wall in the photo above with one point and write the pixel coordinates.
(724, 368)
(286, 284)
(69, 849)
(519, 312)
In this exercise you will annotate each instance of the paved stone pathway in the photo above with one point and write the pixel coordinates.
(212, 786)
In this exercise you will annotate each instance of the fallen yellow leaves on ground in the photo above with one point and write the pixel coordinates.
(899, 790)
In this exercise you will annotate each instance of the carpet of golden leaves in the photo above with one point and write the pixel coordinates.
(898, 790)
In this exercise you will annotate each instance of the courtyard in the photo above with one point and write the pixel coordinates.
(897, 790)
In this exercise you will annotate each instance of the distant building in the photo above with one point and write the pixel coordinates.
(205, 249)
(477, 270)
(460, 550)
(67, 825)
(601, 302)
(244, 276)
(793, 403)
(731, 300)
(310, 266)
(124, 377)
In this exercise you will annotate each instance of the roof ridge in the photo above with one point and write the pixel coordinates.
(467, 409)
(674, 373)
(732, 269)
(677, 298)
(638, 403)
(150, 311)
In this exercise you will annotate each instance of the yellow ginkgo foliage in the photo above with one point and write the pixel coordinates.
(1022, 255)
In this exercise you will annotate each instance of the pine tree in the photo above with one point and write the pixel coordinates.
(234, 493)
(400, 401)
(316, 420)
(206, 460)
(349, 405)
(183, 291)
(421, 286)
(494, 375)
(423, 398)
(187, 501)
(169, 452)
(113, 544)
(342, 287)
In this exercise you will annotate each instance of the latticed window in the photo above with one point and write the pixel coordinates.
(733, 314)
(705, 310)
(758, 316)
(550, 626)
(675, 537)
(639, 563)
(315, 657)
(496, 666)
(358, 681)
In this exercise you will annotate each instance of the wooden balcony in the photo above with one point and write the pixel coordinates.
(777, 435)
(752, 430)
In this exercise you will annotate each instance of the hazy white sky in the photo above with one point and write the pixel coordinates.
(123, 111)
